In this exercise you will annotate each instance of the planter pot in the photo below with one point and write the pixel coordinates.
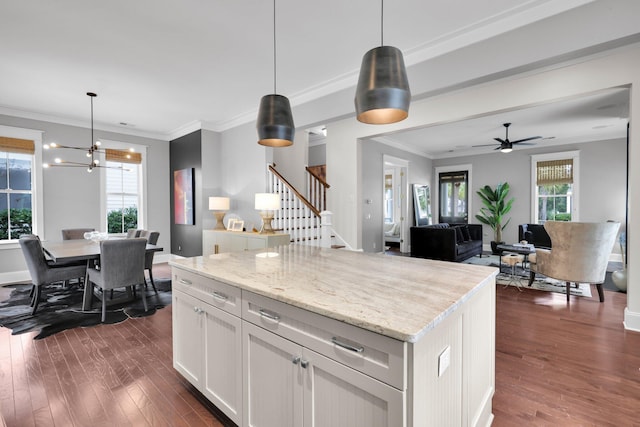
(494, 249)
(619, 279)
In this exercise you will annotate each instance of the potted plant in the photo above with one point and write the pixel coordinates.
(496, 206)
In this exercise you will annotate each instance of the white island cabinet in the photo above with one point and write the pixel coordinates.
(317, 337)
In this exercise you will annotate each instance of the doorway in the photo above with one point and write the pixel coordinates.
(452, 198)
(395, 203)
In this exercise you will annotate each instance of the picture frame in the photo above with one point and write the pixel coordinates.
(236, 225)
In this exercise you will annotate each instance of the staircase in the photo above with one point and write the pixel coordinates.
(303, 217)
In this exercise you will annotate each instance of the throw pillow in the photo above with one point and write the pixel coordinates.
(459, 235)
(466, 233)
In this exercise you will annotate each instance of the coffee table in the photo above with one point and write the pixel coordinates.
(519, 248)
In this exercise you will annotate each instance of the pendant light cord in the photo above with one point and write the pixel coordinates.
(381, 22)
(274, 47)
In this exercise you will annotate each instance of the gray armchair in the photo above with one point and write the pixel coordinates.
(121, 265)
(152, 239)
(44, 273)
(75, 233)
(580, 253)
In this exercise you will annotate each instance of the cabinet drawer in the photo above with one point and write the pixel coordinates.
(208, 290)
(368, 352)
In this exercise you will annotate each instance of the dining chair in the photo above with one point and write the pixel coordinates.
(43, 272)
(152, 239)
(579, 253)
(121, 266)
(75, 233)
(133, 232)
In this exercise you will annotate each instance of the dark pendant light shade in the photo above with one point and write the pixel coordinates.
(275, 121)
(383, 94)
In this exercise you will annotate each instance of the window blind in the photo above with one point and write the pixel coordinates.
(123, 156)
(551, 172)
(16, 145)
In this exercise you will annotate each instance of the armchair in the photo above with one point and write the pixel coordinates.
(580, 253)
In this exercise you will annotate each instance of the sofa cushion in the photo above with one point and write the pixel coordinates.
(465, 233)
(459, 235)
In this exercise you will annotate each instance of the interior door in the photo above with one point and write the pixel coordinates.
(454, 197)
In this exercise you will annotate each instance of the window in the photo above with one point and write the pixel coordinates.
(123, 190)
(16, 187)
(453, 197)
(555, 187)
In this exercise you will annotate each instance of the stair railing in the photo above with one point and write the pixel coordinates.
(316, 190)
(297, 216)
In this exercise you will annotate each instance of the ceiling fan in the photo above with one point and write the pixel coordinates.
(506, 146)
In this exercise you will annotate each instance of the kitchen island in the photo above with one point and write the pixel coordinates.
(300, 335)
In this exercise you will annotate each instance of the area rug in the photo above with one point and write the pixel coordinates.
(541, 283)
(60, 309)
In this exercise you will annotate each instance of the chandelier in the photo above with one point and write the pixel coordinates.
(92, 152)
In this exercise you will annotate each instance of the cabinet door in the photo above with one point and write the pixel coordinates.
(256, 243)
(187, 336)
(272, 379)
(223, 361)
(338, 396)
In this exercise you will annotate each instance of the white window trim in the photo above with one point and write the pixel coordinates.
(37, 190)
(575, 155)
(142, 149)
(436, 188)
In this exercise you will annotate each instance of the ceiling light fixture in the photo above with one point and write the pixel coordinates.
(92, 152)
(275, 120)
(382, 94)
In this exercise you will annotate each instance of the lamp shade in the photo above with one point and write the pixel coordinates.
(218, 203)
(382, 94)
(267, 201)
(275, 121)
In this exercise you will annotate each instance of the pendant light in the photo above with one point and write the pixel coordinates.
(382, 94)
(92, 152)
(275, 121)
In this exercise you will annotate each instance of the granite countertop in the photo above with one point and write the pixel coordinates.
(400, 297)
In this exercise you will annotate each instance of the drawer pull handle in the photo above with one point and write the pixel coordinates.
(185, 281)
(349, 347)
(219, 296)
(270, 316)
(304, 363)
(295, 360)
(198, 310)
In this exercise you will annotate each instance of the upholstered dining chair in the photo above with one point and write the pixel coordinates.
(75, 233)
(580, 253)
(121, 266)
(42, 272)
(152, 239)
(133, 232)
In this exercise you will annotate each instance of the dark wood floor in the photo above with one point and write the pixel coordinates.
(556, 365)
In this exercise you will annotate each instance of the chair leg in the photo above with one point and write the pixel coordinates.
(33, 288)
(568, 290)
(144, 298)
(600, 291)
(36, 299)
(532, 277)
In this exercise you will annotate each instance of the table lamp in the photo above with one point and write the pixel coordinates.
(219, 205)
(267, 203)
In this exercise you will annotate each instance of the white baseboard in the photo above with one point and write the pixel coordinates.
(631, 320)
(14, 276)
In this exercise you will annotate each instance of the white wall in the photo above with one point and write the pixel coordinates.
(290, 161)
(72, 196)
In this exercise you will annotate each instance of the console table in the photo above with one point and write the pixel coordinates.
(221, 241)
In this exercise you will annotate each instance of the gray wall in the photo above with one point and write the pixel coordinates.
(602, 182)
(186, 152)
(318, 155)
(72, 196)
(371, 154)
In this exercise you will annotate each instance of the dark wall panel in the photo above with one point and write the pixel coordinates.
(186, 240)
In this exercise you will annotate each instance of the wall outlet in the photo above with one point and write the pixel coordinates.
(444, 360)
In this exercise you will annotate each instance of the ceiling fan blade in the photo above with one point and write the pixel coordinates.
(527, 143)
(484, 145)
(500, 140)
(498, 148)
(526, 139)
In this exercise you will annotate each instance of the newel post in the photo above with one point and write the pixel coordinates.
(325, 227)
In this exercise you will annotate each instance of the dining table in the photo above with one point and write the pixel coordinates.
(66, 251)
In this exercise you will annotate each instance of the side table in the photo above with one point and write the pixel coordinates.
(513, 260)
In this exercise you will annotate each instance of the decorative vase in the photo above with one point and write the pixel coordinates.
(619, 279)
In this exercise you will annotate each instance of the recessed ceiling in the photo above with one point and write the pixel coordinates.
(161, 67)
(595, 117)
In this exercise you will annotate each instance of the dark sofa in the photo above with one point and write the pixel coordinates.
(534, 234)
(447, 242)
